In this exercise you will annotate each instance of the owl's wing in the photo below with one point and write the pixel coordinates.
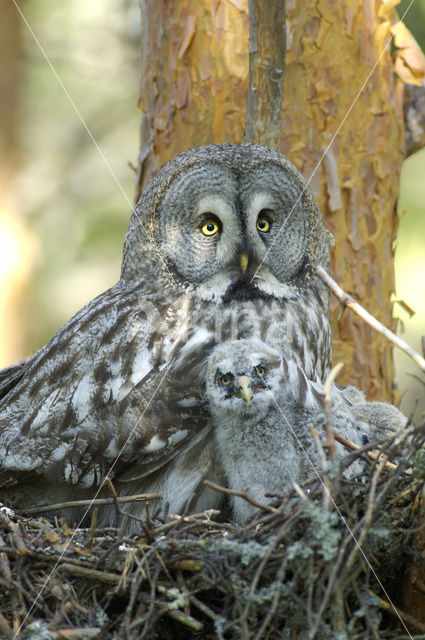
(147, 464)
(181, 419)
(11, 376)
(9, 479)
(98, 398)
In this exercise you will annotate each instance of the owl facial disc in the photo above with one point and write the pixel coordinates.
(245, 381)
(229, 235)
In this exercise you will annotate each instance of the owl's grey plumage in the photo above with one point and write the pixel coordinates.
(264, 408)
(222, 244)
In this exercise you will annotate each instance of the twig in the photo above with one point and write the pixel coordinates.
(159, 531)
(328, 408)
(241, 494)
(349, 302)
(11, 526)
(114, 496)
(355, 447)
(92, 574)
(204, 608)
(395, 611)
(279, 579)
(299, 491)
(5, 628)
(201, 517)
(93, 524)
(76, 634)
(326, 484)
(258, 573)
(329, 585)
(334, 373)
(44, 557)
(93, 503)
(371, 505)
(183, 618)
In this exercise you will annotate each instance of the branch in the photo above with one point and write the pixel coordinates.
(267, 50)
(355, 447)
(185, 619)
(395, 611)
(241, 494)
(92, 503)
(16, 532)
(328, 408)
(349, 302)
(91, 574)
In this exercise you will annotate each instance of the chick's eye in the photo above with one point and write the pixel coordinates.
(261, 371)
(225, 380)
(263, 224)
(210, 227)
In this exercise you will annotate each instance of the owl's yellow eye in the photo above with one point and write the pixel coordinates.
(261, 370)
(263, 224)
(225, 380)
(210, 227)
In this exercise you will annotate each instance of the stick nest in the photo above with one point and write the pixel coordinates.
(327, 563)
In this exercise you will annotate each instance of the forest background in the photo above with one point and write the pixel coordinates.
(63, 214)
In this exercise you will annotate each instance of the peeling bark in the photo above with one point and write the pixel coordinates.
(194, 78)
(267, 48)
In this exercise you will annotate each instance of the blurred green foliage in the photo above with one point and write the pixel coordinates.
(410, 246)
(413, 16)
(68, 196)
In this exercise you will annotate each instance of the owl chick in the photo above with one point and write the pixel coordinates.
(383, 418)
(264, 408)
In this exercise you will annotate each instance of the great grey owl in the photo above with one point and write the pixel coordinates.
(263, 409)
(223, 244)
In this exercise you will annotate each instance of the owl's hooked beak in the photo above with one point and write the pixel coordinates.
(245, 389)
(243, 261)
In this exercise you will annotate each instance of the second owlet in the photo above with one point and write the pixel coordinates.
(223, 244)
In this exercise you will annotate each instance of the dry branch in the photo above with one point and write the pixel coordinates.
(242, 494)
(91, 574)
(349, 302)
(328, 408)
(395, 611)
(98, 502)
(355, 447)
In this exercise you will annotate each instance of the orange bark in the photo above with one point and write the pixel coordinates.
(194, 92)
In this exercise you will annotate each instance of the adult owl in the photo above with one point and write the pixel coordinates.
(264, 408)
(223, 244)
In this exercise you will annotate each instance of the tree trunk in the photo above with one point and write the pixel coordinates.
(339, 97)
